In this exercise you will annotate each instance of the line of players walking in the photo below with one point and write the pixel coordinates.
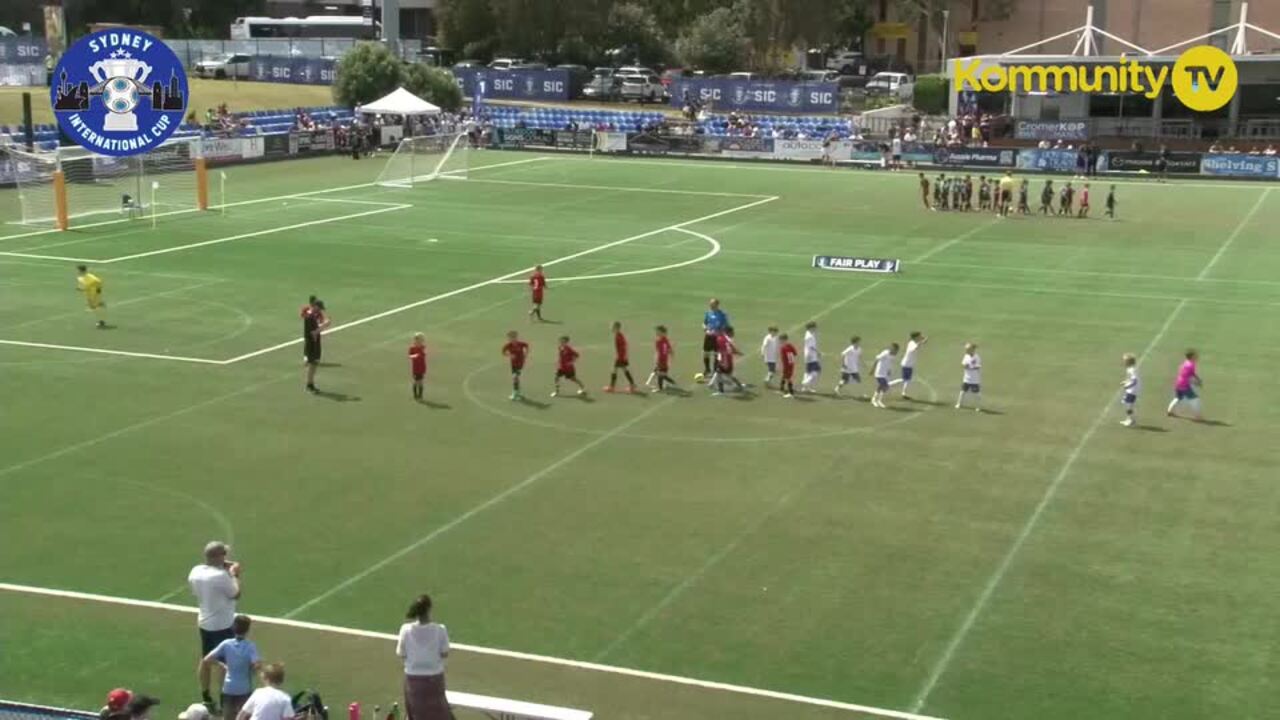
(996, 195)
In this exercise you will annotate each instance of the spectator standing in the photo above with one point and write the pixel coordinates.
(239, 658)
(424, 645)
(216, 585)
(268, 702)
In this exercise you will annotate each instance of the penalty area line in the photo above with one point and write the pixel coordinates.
(104, 351)
(480, 650)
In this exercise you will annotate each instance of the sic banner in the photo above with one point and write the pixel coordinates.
(299, 70)
(783, 96)
(515, 84)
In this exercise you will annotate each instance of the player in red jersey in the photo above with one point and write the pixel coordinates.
(620, 360)
(725, 352)
(418, 363)
(662, 361)
(517, 351)
(787, 354)
(565, 367)
(537, 284)
(1084, 202)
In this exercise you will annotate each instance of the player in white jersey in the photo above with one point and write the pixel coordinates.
(812, 358)
(1131, 385)
(850, 364)
(883, 371)
(914, 342)
(972, 382)
(769, 351)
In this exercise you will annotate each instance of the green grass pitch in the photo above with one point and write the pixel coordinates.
(1039, 561)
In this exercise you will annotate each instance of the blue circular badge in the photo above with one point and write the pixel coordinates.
(119, 92)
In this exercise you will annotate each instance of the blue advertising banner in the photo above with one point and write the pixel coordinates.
(1051, 160)
(515, 84)
(1239, 165)
(22, 51)
(1052, 130)
(980, 157)
(724, 94)
(301, 70)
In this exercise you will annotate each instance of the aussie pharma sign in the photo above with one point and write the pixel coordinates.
(515, 84)
(725, 94)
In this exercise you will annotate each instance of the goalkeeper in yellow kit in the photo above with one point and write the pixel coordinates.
(91, 286)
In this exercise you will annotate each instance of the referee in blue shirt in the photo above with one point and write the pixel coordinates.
(713, 321)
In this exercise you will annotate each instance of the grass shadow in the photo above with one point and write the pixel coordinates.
(336, 396)
(434, 405)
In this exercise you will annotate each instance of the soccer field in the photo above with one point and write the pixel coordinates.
(1034, 561)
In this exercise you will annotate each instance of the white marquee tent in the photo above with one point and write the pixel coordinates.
(399, 102)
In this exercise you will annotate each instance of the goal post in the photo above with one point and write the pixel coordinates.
(424, 159)
(72, 186)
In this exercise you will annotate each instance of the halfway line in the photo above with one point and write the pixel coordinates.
(1234, 234)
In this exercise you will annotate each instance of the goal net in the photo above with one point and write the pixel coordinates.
(102, 188)
(423, 159)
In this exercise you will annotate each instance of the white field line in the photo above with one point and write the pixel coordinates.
(1234, 234)
(1050, 492)
(667, 191)
(478, 650)
(256, 201)
(478, 509)
(773, 166)
(595, 275)
(60, 258)
(501, 278)
(955, 240)
(130, 301)
(120, 353)
(256, 233)
(341, 201)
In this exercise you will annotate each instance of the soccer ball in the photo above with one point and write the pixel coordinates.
(120, 95)
(699, 377)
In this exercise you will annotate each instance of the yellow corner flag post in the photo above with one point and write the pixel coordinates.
(154, 187)
(222, 190)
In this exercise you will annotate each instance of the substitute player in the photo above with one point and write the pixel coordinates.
(924, 192)
(566, 367)
(517, 351)
(787, 356)
(1186, 386)
(662, 353)
(1131, 385)
(972, 381)
(537, 287)
(850, 364)
(713, 321)
(620, 360)
(769, 352)
(1111, 202)
(1046, 198)
(418, 363)
(915, 341)
(91, 286)
(883, 370)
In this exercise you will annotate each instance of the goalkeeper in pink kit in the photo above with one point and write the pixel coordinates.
(1186, 387)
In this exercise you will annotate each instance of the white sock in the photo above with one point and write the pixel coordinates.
(905, 384)
(960, 399)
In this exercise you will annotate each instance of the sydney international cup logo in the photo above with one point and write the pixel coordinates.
(119, 92)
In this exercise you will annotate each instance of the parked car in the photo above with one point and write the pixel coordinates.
(743, 75)
(846, 62)
(635, 70)
(820, 76)
(642, 87)
(469, 65)
(603, 85)
(529, 66)
(579, 76)
(891, 83)
(505, 63)
(231, 65)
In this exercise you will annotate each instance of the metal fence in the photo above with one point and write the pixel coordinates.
(26, 711)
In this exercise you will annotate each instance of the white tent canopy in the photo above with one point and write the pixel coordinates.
(399, 102)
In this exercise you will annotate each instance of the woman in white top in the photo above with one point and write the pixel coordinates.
(423, 645)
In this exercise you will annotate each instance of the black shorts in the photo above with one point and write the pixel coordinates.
(209, 639)
(709, 343)
(567, 374)
(621, 364)
(311, 351)
(517, 369)
(417, 377)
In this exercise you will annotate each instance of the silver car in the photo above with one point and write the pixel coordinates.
(642, 87)
(231, 65)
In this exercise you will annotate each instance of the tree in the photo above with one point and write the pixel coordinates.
(433, 84)
(367, 72)
(715, 42)
(633, 29)
(467, 24)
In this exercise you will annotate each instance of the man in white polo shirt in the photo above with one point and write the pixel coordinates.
(216, 585)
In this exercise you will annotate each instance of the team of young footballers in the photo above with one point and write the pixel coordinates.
(996, 195)
(780, 359)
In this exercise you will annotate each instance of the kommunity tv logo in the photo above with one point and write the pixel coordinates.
(1204, 78)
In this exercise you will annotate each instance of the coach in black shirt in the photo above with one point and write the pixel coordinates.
(313, 323)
